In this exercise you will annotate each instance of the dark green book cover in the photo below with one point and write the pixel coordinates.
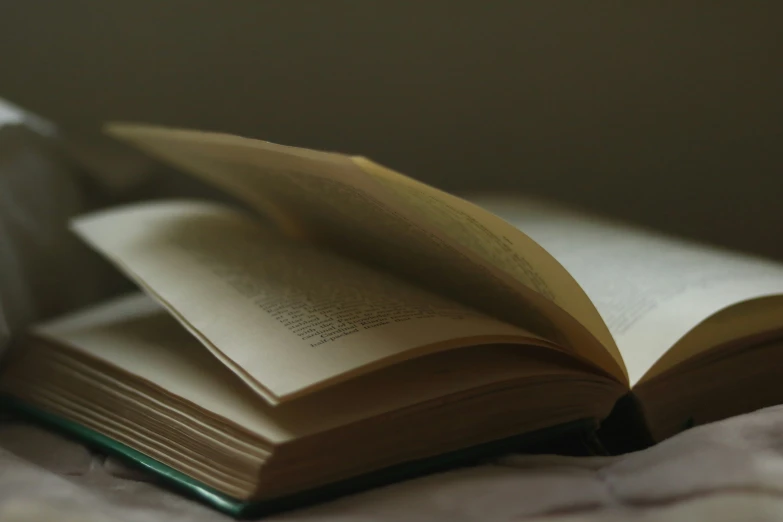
(574, 438)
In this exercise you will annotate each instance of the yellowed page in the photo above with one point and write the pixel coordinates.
(370, 213)
(653, 290)
(282, 314)
(140, 337)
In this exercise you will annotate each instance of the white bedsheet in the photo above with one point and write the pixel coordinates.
(731, 470)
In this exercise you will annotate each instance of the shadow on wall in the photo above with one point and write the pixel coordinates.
(667, 114)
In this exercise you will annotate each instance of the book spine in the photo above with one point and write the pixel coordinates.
(625, 429)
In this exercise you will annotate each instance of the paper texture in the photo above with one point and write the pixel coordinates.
(366, 212)
(651, 289)
(283, 315)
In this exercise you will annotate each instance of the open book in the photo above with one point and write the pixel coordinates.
(348, 319)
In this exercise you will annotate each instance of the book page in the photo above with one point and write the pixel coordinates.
(282, 314)
(140, 337)
(653, 290)
(384, 219)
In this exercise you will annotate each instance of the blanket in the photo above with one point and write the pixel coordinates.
(729, 470)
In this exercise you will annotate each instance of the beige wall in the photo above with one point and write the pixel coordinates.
(669, 113)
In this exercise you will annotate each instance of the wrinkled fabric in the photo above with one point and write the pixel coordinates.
(730, 470)
(44, 269)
